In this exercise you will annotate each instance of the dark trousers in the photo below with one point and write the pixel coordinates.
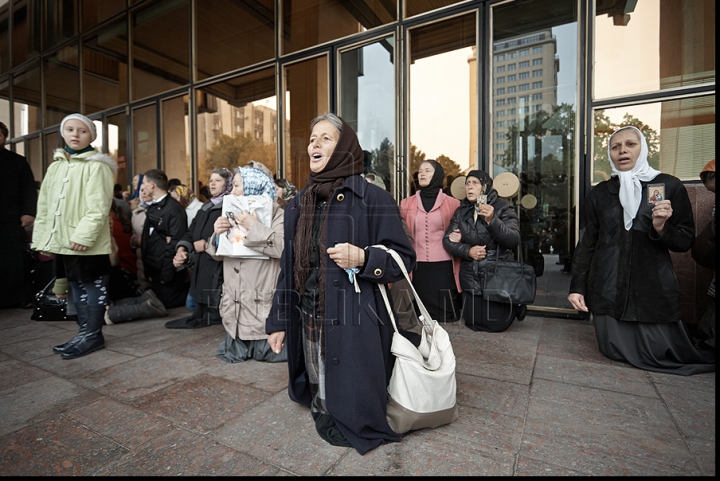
(172, 293)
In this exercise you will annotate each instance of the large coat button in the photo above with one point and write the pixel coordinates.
(378, 272)
(336, 283)
(341, 197)
(336, 322)
(336, 361)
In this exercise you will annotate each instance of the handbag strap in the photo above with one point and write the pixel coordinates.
(45, 289)
(424, 314)
(497, 256)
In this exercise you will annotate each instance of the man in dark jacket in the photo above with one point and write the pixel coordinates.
(18, 202)
(165, 225)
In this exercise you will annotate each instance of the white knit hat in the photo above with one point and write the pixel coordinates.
(90, 124)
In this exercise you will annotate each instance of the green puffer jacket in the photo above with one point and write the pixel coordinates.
(74, 204)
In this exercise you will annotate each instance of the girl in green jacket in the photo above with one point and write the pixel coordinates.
(72, 223)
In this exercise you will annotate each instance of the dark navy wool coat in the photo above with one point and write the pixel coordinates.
(358, 363)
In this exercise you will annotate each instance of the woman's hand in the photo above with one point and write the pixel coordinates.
(276, 341)
(487, 211)
(455, 236)
(200, 245)
(577, 301)
(347, 255)
(246, 219)
(77, 247)
(478, 252)
(221, 225)
(660, 214)
(180, 257)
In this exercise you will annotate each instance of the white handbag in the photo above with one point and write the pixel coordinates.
(422, 388)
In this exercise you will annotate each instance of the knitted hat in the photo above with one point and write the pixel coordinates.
(90, 124)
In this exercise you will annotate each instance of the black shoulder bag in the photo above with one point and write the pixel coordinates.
(509, 281)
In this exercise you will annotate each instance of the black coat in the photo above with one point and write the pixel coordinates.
(503, 232)
(629, 275)
(165, 219)
(358, 360)
(206, 271)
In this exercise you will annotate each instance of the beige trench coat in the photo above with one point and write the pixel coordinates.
(249, 284)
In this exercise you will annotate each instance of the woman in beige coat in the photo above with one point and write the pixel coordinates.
(249, 283)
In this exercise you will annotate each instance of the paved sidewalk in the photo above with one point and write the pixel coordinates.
(536, 400)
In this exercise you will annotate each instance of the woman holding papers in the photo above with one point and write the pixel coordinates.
(249, 281)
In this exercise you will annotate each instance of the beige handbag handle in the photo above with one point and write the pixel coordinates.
(424, 314)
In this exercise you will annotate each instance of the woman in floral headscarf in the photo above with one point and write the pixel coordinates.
(188, 200)
(622, 271)
(249, 284)
(192, 251)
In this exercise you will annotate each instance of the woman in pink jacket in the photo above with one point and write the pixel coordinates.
(427, 214)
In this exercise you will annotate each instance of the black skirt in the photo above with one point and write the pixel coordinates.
(82, 268)
(435, 284)
(660, 347)
(487, 316)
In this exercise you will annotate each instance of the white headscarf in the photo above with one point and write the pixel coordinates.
(630, 188)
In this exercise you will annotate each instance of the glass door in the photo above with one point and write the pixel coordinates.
(533, 111)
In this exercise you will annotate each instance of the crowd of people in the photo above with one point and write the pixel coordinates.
(309, 297)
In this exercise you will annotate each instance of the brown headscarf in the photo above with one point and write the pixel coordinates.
(347, 159)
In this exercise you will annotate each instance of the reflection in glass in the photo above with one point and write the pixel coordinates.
(26, 105)
(117, 147)
(34, 157)
(62, 94)
(61, 21)
(305, 87)
(680, 135)
(223, 44)
(415, 7)
(4, 39)
(237, 123)
(367, 104)
(161, 47)
(533, 107)
(144, 139)
(658, 44)
(307, 23)
(27, 23)
(5, 106)
(52, 142)
(105, 82)
(97, 11)
(176, 139)
(442, 90)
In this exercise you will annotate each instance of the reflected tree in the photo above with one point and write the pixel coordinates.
(237, 151)
(604, 128)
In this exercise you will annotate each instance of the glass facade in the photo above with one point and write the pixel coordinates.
(510, 87)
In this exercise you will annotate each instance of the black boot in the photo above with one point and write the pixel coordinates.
(129, 312)
(82, 320)
(148, 294)
(202, 316)
(93, 338)
(521, 312)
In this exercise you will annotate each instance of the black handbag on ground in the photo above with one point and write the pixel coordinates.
(509, 281)
(47, 307)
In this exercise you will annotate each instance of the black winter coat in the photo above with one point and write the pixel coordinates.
(503, 232)
(629, 275)
(165, 219)
(206, 271)
(358, 363)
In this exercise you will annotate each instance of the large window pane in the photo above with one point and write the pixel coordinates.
(5, 105)
(237, 123)
(61, 21)
(176, 139)
(305, 87)
(62, 91)
(680, 135)
(34, 157)
(105, 82)
(442, 95)
(533, 110)
(27, 22)
(307, 23)
(4, 37)
(224, 44)
(26, 88)
(657, 45)
(144, 138)
(52, 140)
(160, 47)
(415, 7)
(97, 11)
(367, 103)
(117, 147)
